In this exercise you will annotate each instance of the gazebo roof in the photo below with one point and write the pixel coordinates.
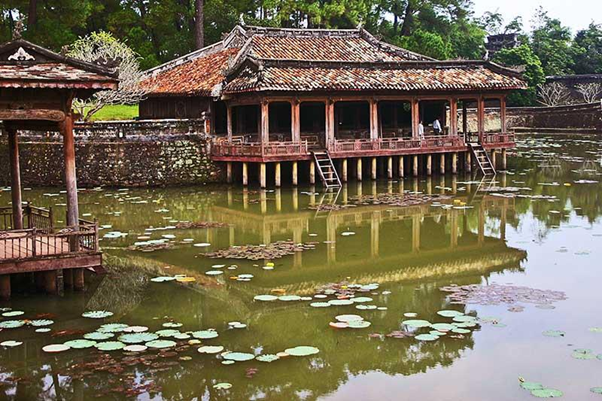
(253, 59)
(26, 65)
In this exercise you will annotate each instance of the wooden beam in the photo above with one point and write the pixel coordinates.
(454, 165)
(32, 114)
(481, 118)
(312, 172)
(70, 174)
(359, 169)
(229, 172)
(15, 178)
(429, 164)
(373, 170)
(78, 279)
(262, 175)
(5, 290)
(389, 167)
(504, 159)
(442, 163)
(401, 172)
(415, 165)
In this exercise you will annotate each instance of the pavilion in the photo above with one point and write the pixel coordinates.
(329, 97)
(37, 88)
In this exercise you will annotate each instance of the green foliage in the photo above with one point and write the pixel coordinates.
(116, 112)
(523, 56)
(589, 58)
(428, 43)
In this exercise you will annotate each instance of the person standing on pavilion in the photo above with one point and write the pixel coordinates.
(437, 126)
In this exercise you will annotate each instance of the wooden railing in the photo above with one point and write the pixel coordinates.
(387, 144)
(259, 149)
(34, 217)
(38, 243)
(494, 138)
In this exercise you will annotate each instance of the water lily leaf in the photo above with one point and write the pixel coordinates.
(554, 333)
(41, 322)
(210, 349)
(547, 393)
(596, 390)
(531, 386)
(464, 319)
(302, 350)
(319, 305)
(172, 325)
(265, 298)
(358, 324)
(267, 358)
(227, 362)
(162, 279)
(11, 343)
(410, 314)
(135, 348)
(43, 330)
(99, 314)
(135, 329)
(161, 344)
(340, 302)
(98, 336)
(349, 318)
(443, 326)
(137, 338)
(80, 344)
(460, 331)
(338, 325)
(13, 313)
(182, 336)
(112, 328)
(109, 346)
(449, 313)
(12, 324)
(417, 323)
(53, 348)
(238, 356)
(202, 245)
(168, 333)
(287, 298)
(359, 300)
(426, 337)
(366, 307)
(214, 272)
(222, 386)
(596, 329)
(583, 354)
(205, 334)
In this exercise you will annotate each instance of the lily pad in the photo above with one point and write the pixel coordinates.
(596, 390)
(12, 324)
(531, 386)
(410, 314)
(13, 313)
(349, 318)
(360, 300)
(112, 328)
(54, 348)
(135, 329)
(81, 344)
(205, 334)
(443, 326)
(43, 330)
(98, 336)
(162, 279)
(359, 324)
(161, 344)
(99, 314)
(238, 356)
(265, 298)
(464, 319)
(460, 331)
(426, 337)
(210, 349)
(214, 272)
(41, 322)
(172, 325)
(222, 386)
(137, 338)
(366, 307)
(11, 343)
(288, 298)
(340, 302)
(584, 354)
(547, 393)
(319, 305)
(449, 313)
(554, 333)
(167, 333)
(135, 348)
(109, 346)
(302, 350)
(417, 323)
(267, 358)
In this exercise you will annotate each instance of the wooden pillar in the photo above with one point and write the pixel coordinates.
(229, 122)
(5, 290)
(15, 178)
(389, 167)
(344, 170)
(312, 172)
(50, 282)
(265, 122)
(296, 121)
(442, 163)
(504, 160)
(373, 168)
(429, 164)
(78, 279)
(494, 158)
(229, 172)
(454, 163)
(464, 118)
(359, 169)
(295, 173)
(374, 124)
(453, 116)
(70, 175)
(415, 165)
(277, 175)
(401, 173)
(330, 123)
(481, 118)
(262, 175)
(503, 114)
(415, 117)
(245, 174)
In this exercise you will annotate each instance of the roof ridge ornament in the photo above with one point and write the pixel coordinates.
(21, 55)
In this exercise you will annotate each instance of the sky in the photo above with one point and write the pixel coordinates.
(576, 14)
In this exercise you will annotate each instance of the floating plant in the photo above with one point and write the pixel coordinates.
(112, 328)
(449, 313)
(101, 314)
(426, 337)
(265, 298)
(547, 393)
(41, 322)
(416, 323)
(137, 338)
(54, 348)
(302, 350)
(222, 386)
(12, 324)
(210, 349)
(267, 358)
(554, 333)
(238, 356)
(13, 313)
(11, 343)
(135, 348)
(205, 334)
(109, 346)
(80, 344)
(161, 344)
(98, 336)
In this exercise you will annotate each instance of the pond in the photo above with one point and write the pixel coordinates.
(374, 256)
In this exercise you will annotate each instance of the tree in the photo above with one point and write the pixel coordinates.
(524, 58)
(589, 59)
(553, 94)
(104, 47)
(590, 91)
(199, 23)
(428, 43)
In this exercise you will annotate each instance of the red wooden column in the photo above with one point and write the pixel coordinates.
(415, 117)
(70, 176)
(265, 122)
(503, 113)
(330, 123)
(453, 116)
(296, 120)
(481, 118)
(229, 122)
(374, 124)
(15, 177)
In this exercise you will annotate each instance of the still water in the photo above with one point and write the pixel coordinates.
(540, 227)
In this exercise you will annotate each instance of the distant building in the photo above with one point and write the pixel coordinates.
(495, 43)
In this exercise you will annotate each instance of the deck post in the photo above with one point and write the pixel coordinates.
(373, 169)
(429, 164)
(494, 158)
(296, 120)
(265, 122)
(504, 160)
(464, 118)
(245, 174)
(277, 175)
(374, 125)
(68, 278)
(389, 167)
(50, 284)
(262, 175)
(344, 170)
(330, 123)
(312, 172)
(453, 116)
(503, 114)
(5, 287)
(442, 163)
(359, 169)
(70, 175)
(401, 167)
(15, 179)
(229, 122)
(415, 165)
(78, 279)
(295, 173)
(229, 172)
(415, 117)
(454, 165)
(481, 118)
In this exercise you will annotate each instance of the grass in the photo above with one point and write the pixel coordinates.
(116, 112)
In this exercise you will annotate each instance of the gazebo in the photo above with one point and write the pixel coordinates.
(37, 88)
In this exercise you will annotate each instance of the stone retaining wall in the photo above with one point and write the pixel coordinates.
(580, 117)
(147, 153)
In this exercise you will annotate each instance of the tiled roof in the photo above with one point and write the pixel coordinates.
(50, 75)
(196, 77)
(400, 77)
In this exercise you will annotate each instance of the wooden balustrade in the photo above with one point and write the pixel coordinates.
(285, 148)
(396, 144)
(35, 217)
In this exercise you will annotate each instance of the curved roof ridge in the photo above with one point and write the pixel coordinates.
(205, 51)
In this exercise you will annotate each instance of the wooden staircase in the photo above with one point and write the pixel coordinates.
(325, 166)
(482, 158)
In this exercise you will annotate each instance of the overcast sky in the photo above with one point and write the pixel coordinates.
(577, 14)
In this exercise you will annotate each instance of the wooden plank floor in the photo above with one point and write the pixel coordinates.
(18, 246)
